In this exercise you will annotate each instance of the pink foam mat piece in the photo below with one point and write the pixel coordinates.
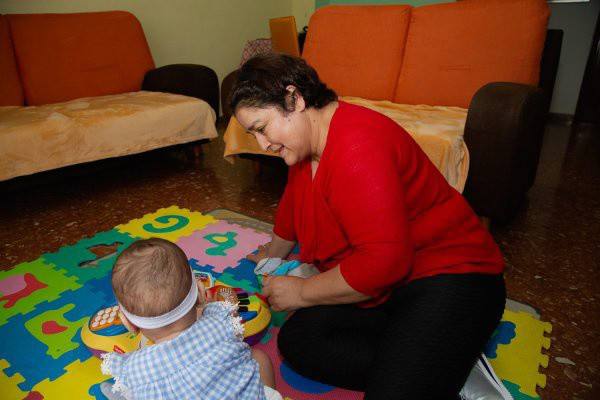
(246, 241)
(12, 284)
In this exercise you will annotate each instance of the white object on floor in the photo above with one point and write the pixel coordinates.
(484, 384)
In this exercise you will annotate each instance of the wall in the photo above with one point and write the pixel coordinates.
(320, 3)
(578, 21)
(207, 32)
(302, 10)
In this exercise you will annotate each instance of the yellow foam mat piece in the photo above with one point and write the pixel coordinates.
(520, 361)
(169, 223)
(8, 384)
(75, 383)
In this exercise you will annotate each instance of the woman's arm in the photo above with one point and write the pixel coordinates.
(277, 247)
(329, 287)
(284, 227)
(291, 293)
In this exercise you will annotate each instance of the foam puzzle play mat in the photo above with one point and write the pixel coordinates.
(48, 303)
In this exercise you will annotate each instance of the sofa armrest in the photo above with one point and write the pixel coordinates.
(226, 87)
(504, 131)
(186, 79)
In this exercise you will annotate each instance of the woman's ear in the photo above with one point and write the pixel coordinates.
(294, 99)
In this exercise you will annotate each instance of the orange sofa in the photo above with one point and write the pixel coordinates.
(470, 80)
(83, 87)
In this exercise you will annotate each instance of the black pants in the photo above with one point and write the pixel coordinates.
(420, 344)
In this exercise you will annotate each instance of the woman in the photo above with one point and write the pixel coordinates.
(411, 284)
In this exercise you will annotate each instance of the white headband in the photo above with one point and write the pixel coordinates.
(168, 318)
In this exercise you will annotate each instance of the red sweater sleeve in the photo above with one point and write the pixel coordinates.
(284, 217)
(367, 196)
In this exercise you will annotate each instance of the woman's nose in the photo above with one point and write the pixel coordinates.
(263, 142)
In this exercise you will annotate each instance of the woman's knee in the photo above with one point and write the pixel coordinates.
(307, 329)
(293, 333)
(287, 338)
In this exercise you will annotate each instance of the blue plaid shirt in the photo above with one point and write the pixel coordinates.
(208, 360)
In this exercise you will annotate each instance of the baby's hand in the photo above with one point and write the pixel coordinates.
(227, 294)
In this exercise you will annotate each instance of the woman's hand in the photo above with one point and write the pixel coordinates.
(262, 253)
(277, 247)
(284, 292)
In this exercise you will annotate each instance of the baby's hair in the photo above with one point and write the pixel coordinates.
(151, 277)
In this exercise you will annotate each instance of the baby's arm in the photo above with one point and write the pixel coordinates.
(112, 364)
(224, 306)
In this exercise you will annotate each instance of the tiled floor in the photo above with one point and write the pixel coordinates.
(553, 253)
(552, 247)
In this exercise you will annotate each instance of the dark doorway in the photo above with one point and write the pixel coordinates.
(588, 104)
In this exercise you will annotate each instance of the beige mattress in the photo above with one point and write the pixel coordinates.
(438, 130)
(34, 139)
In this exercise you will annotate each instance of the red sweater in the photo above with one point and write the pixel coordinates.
(380, 209)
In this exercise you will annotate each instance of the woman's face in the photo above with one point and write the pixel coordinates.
(288, 135)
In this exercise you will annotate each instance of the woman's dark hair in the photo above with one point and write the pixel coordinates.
(263, 79)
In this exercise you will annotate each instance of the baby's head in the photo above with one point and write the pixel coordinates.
(151, 278)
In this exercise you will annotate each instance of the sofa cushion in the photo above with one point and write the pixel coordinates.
(454, 49)
(68, 56)
(438, 131)
(11, 92)
(34, 139)
(357, 50)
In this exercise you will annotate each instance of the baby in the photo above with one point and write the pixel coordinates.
(199, 351)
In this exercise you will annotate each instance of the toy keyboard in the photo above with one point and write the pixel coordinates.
(105, 318)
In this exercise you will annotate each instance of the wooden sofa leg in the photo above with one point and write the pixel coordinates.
(257, 167)
(197, 151)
